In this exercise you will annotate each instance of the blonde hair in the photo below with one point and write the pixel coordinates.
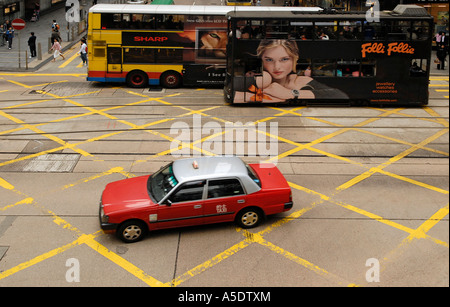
(289, 45)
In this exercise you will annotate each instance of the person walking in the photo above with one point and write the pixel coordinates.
(55, 26)
(56, 47)
(83, 51)
(3, 35)
(37, 9)
(10, 36)
(55, 31)
(441, 54)
(32, 45)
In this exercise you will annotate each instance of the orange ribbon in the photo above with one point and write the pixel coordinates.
(259, 96)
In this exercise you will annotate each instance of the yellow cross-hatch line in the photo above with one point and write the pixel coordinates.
(68, 61)
(249, 238)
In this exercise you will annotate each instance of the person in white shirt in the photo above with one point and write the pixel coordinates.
(83, 51)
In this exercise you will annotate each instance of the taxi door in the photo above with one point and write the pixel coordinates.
(225, 197)
(183, 207)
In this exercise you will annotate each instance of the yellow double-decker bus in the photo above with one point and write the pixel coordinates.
(167, 45)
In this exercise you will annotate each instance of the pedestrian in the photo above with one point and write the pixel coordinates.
(83, 51)
(55, 26)
(37, 9)
(56, 47)
(10, 36)
(32, 45)
(438, 37)
(6, 25)
(441, 54)
(3, 35)
(55, 35)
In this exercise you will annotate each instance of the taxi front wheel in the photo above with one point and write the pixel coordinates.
(131, 231)
(249, 217)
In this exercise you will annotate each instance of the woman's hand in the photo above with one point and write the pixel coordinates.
(281, 92)
(263, 81)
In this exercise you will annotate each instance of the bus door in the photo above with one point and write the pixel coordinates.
(114, 59)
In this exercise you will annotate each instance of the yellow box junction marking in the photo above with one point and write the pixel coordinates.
(249, 238)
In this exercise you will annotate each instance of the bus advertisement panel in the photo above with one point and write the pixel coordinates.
(276, 70)
(285, 58)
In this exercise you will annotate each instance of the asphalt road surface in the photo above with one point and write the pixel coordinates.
(370, 187)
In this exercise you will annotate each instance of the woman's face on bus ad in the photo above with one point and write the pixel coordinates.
(277, 62)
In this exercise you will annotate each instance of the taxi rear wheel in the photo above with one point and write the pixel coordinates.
(249, 217)
(132, 231)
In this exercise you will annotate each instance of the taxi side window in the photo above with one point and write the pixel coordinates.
(189, 191)
(224, 188)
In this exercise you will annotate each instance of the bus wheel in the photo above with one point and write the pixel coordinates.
(137, 78)
(171, 79)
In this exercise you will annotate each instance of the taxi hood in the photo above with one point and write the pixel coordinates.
(126, 195)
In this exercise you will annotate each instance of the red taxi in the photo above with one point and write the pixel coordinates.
(191, 192)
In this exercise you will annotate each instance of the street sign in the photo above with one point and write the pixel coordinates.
(18, 24)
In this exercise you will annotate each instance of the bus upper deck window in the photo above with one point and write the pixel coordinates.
(420, 30)
(399, 30)
(349, 30)
(278, 29)
(302, 30)
(110, 21)
(376, 30)
(170, 22)
(325, 30)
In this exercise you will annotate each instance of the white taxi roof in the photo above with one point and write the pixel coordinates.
(213, 167)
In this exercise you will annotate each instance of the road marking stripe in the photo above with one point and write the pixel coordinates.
(5, 184)
(123, 263)
(43, 133)
(210, 263)
(67, 62)
(40, 258)
(305, 263)
(28, 200)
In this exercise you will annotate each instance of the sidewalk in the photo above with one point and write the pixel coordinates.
(42, 30)
(433, 69)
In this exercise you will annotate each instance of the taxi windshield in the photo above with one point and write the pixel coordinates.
(161, 183)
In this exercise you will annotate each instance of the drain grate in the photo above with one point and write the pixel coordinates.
(157, 90)
(52, 163)
(55, 162)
